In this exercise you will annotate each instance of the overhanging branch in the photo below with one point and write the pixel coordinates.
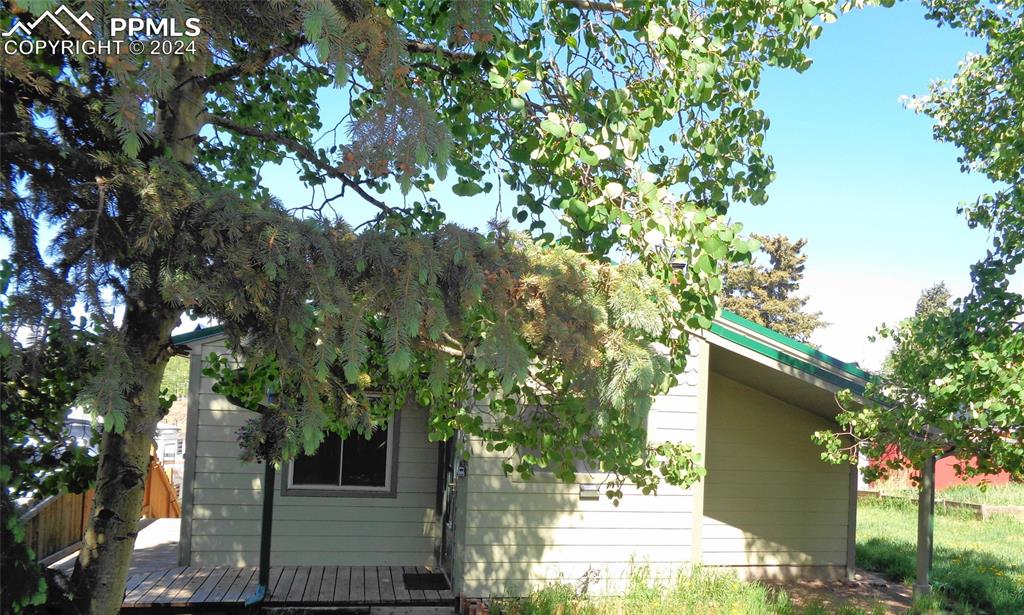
(303, 151)
(588, 5)
(252, 64)
(414, 46)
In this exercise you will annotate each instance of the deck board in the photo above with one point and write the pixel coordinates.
(193, 589)
(371, 584)
(177, 585)
(250, 588)
(184, 595)
(299, 584)
(147, 584)
(387, 586)
(234, 594)
(158, 588)
(275, 576)
(327, 585)
(222, 587)
(316, 577)
(280, 589)
(209, 584)
(401, 593)
(134, 581)
(342, 585)
(356, 588)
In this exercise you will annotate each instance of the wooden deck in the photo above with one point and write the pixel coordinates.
(222, 588)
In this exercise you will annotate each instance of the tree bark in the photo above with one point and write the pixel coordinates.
(101, 572)
(925, 529)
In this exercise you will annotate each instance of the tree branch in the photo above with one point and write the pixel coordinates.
(303, 151)
(588, 5)
(414, 46)
(261, 60)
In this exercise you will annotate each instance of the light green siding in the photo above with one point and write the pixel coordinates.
(768, 506)
(771, 506)
(225, 498)
(518, 536)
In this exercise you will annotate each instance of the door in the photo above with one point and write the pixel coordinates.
(449, 479)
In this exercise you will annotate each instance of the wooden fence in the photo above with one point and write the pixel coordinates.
(161, 499)
(59, 521)
(56, 522)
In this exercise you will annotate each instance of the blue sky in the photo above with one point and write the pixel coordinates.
(860, 177)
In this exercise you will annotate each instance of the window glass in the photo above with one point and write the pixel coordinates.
(364, 462)
(321, 468)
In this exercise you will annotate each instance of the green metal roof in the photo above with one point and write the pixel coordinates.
(857, 376)
(197, 334)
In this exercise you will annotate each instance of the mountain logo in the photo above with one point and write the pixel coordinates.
(27, 28)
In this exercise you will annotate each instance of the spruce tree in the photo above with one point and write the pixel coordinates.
(767, 293)
(146, 167)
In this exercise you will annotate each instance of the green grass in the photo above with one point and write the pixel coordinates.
(703, 592)
(1011, 494)
(978, 565)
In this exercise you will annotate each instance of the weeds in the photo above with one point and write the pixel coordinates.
(702, 592)
(978, 565)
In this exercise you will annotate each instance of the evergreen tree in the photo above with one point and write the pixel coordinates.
(147, 168)
(766, 293)
(933, 299)
(38, 456)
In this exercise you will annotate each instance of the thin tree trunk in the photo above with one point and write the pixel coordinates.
(925, 529)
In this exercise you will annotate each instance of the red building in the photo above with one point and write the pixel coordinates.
(945, 473)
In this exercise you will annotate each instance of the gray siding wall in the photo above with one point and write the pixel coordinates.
(768, 507)
(518, 536)
(772, 507)
(224, 496)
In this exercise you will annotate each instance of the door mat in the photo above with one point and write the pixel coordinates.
(425, 580)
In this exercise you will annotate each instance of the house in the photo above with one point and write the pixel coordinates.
(749, 401)
(945, 473)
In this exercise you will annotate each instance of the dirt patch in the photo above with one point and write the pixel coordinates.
(867, 591)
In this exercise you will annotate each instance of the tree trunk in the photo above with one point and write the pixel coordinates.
(925, 529)
(101, 571)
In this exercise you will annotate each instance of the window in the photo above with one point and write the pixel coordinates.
(355, 466)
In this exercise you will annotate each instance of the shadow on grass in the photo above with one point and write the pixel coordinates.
(970, 580)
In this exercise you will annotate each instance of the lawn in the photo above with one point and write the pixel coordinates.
(1011, 494)
(978, 566)
(998, 495)
(704, 592)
